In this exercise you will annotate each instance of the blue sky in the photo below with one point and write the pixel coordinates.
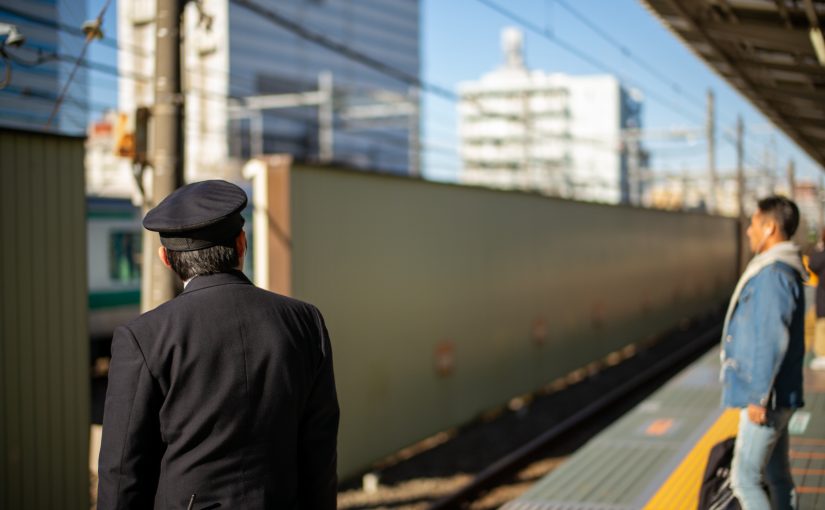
(460, 41)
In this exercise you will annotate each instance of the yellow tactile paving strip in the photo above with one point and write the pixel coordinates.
(681, 490)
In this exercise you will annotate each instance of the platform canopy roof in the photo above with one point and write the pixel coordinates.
(772, 51)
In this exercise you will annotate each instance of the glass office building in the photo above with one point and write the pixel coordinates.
(42, 64)
(269, 60)
(254, 87)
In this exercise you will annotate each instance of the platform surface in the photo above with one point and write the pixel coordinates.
(653, 458)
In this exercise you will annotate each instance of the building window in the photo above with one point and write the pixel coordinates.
(124, 256)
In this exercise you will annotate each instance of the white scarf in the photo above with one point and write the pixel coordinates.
(786, 252)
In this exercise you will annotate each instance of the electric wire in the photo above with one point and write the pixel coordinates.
(89, 38)
(342, 49)
(72, 30)
(409, 79)
(624, 50)
(649, 68)
(346, 51)
(328, 43)
(586, 57)
(49, 97)
(570, 48)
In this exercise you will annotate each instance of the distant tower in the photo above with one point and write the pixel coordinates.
(512, 44)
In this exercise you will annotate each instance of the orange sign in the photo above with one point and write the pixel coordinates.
(444, 358)
(659, 427)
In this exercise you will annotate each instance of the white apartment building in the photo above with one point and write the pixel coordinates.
(557, 134)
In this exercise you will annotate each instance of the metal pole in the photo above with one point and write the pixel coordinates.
(256, 135)
(325, 118)
(740, 193)
(773, 169)
(791, 180)
(159, 284)
(633, 171)
(711, 138)
(819, 203)
(526, 181)
(740, 167)
(414, 135)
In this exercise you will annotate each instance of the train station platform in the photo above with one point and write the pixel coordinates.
(654, 457)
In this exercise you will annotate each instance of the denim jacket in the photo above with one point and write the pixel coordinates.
(764, 346)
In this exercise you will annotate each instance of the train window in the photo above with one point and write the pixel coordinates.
(124, 256)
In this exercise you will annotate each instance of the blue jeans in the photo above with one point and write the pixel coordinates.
(763, 449)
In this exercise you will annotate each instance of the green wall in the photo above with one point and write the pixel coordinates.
(44, 347)
(398, 266)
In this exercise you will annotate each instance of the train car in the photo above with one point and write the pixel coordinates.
(114, 240)
(114, 260)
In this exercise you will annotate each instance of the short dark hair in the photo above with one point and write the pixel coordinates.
(783, 211)
(211, 260)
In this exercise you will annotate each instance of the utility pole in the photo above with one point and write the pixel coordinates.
(711, 141)
(633, 170)
(158, 283)
(791, 180)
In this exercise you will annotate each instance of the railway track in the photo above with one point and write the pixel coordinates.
(493, 460)
(492, 476)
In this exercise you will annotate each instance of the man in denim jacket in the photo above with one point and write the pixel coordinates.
(762, 353)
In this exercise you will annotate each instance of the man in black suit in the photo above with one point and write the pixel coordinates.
(223, 397)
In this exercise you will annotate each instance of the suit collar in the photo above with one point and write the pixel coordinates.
(211, 280)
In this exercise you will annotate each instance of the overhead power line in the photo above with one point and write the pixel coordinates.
(85, 63)
(346, 51)
(44, 96)
(590, 59)
(343, 49)
(569, 47)
(292, 27)
(408, 78)
(139, 51)
(111, 70)
(323, 41)
(72, 30)
(90, 36)
(649, 68)
(49, 96)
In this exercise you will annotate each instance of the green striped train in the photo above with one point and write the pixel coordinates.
(114, 260)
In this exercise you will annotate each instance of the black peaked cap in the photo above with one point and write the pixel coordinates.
(198, 215)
